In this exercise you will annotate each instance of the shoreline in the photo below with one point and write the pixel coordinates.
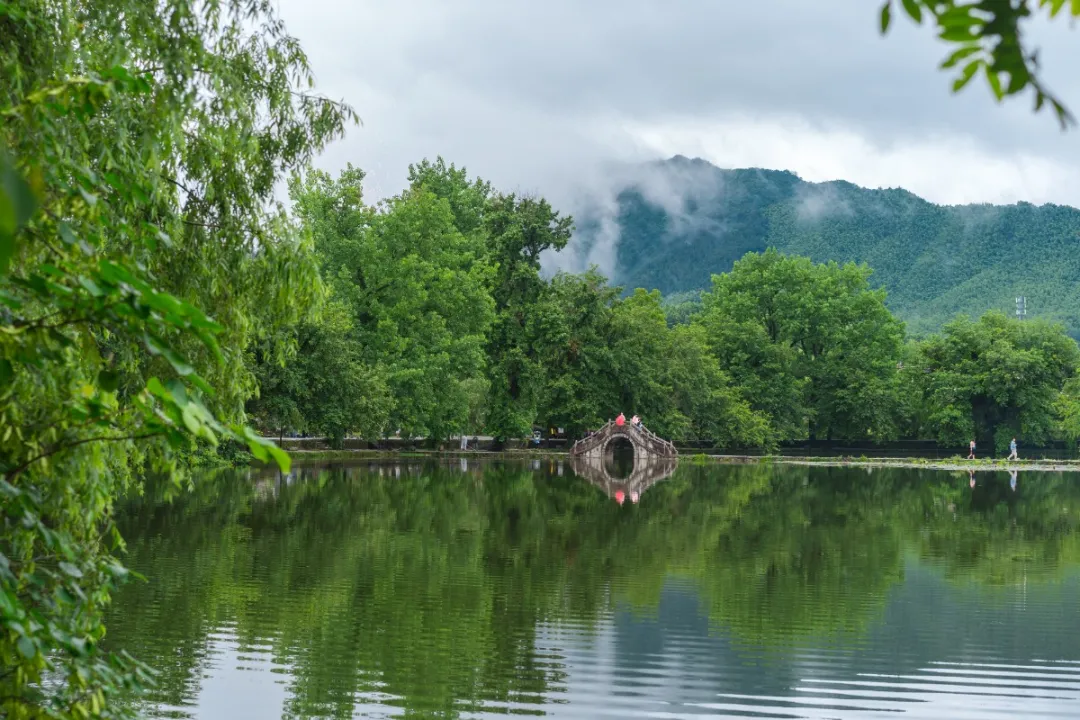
(1001, 465)
(958, 463)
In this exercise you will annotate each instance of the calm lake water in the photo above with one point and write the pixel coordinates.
(418, 589)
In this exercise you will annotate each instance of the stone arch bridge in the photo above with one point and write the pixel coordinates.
(646, 444)
(654, 460)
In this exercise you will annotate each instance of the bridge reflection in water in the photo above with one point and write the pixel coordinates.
(647, 472)
(654, 459)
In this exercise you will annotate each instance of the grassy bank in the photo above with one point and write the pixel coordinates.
(312, 455)
(955, 463)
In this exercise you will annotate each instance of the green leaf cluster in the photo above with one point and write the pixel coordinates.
(988, 37)
(992, 380)
(140, 144)
(813, 345)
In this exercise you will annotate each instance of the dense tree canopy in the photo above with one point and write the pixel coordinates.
(519, 230)
(417, 290)
(993, 379)
(581, 391)
(605, 355)
(454, 329)
(140, 144)
(451, 328)
(324, 387)
(817, 346)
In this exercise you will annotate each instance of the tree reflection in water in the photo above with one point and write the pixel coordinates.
(427, 583)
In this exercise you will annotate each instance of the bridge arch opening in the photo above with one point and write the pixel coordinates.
(619, 457)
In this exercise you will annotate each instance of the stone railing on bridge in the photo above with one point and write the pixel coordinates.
(645, 443)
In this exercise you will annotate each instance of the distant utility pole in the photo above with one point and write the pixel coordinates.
(1021, 307)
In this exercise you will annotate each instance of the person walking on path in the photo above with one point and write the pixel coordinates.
(1012, 450)
(971, 455)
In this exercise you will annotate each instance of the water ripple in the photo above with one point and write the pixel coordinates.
(414, 591)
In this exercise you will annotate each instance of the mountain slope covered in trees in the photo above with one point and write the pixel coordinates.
(682, 220)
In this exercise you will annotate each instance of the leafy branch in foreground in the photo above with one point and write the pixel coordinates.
(140, 144)
(988, 37)
(53, 577)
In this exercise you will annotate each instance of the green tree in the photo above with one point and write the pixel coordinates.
(681, 308)
(814, 346)
(1067, 410)
(518, 229)
(282, 385)
(323, 386)
(994, 378)
(148, 138)
(575, 317)
(639, 344)
(468, 199)
(515, 231)
(762, 369)
(669, 378)
(707, 403)
(606, 355)
(417, 289)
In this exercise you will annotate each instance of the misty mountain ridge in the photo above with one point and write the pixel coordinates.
(674, 223)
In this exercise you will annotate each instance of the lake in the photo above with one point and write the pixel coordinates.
(479, 589)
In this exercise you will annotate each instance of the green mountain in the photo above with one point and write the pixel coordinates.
(681, 220)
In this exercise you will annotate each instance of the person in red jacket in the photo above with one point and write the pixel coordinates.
(621, 420)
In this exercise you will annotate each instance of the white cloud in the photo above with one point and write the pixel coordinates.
(947, 169)
(544, 97)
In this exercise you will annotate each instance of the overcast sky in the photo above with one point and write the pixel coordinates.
(544, 95)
